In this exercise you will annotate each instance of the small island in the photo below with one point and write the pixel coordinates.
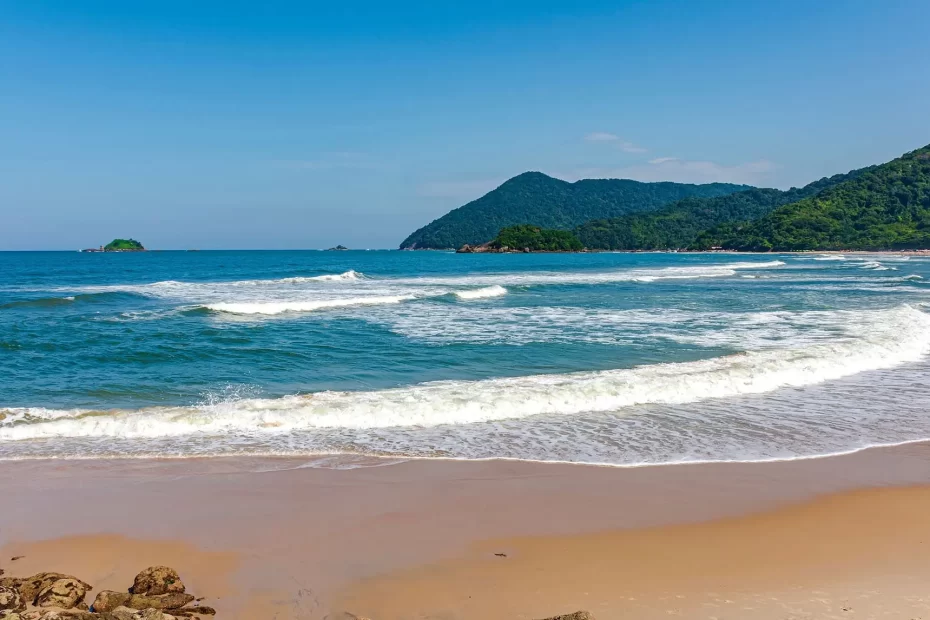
(338, 248)
(119, 245)
(527, 238)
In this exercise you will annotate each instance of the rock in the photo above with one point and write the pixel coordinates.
(11, 599)
(31, 586)
(121, 613)
(64, 593)
(11, 582)
(157, 580)
(578, 615)
(10, 615)
(344, 615)
(194, 610)
(61, 614)
(151, 614)
(170, 601)
(108, 600)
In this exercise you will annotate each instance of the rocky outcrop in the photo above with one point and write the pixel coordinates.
(63, 593)
(578, 615)
(11, 599)
(174, 600)
(484, 248)
(31, 586)
(59, 614)
(157, 580)
(157, 593)
(108, 600)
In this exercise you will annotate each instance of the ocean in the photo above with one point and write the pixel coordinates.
(616, 359)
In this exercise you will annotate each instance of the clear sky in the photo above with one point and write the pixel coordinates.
(245, 124)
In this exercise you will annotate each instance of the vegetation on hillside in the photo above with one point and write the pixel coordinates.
(123, 245)
(536, 239)
(537, 199)
(679, 224)
(885, 207)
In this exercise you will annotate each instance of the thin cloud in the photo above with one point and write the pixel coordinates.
(624, 145)
(601, 136)
(684, 171)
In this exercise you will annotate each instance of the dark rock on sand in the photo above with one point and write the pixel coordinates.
(108, 600)
(31, 586)
(578, 615)
(157, 580)
(193, 610)
(170, 601)
(11, 599)
(63, 593)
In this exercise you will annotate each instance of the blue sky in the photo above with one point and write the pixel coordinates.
(298, 125)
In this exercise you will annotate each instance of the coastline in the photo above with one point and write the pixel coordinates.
(275, 538)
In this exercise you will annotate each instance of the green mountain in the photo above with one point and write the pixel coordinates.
(885, 207)
(123, 245)
(679, 224)
(537, 199)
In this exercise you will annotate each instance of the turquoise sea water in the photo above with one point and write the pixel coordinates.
(604, 358)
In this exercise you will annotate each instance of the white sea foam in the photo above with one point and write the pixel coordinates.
(520, 325)
(542, 278)
(269, 308)
(830, 257)
(875, 266)
(482, 293)
(887, 339)
(338, 277)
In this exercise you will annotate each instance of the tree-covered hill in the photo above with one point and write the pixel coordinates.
(123, 245)
(537, 199)
(885, 207)
(536, 239)
(679, 224)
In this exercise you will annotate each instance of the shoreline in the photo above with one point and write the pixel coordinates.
(312, 460)
(300, 542)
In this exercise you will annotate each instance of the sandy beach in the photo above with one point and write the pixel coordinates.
(844, 536)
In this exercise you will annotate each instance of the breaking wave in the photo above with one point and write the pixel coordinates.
(279, 307)
(888, 339)
(482, 293)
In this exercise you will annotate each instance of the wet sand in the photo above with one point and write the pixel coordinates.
(273, 538)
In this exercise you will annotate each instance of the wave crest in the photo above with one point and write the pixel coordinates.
(891, 338)
(279, 307)
(495, 290)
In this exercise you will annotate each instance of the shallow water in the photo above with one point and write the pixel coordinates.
(605, 358)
